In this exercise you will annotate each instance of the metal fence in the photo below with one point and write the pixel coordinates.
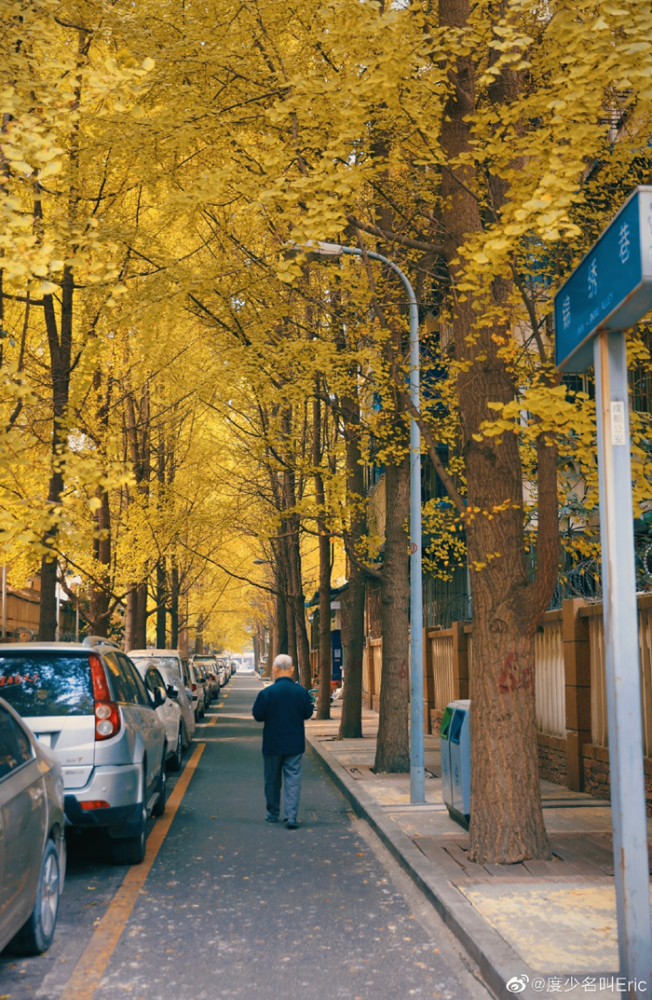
(441, 651)
(599, 723)
(550, 687)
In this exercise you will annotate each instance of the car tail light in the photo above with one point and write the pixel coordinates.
(95, 804)
(107, 716)
(193, 687)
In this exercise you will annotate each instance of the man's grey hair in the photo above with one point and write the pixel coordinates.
(283, 662)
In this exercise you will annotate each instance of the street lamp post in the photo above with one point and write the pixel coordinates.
(326, 251)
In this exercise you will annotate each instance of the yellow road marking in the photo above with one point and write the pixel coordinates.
(90, 967)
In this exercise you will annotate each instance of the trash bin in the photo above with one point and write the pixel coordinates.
(446, 783)
(456, 760)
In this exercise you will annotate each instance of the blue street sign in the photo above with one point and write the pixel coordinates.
(611, 289)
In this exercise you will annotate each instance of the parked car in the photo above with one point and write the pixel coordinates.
(168, 711)
(209, 666)
(202, 680)
(87, 702)
(32, 843)
(221, 671)
(170, 661)
(226, 663)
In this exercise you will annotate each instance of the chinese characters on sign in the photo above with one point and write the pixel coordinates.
(610, 288)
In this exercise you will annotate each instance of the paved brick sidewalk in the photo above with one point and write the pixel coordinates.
(551, 922)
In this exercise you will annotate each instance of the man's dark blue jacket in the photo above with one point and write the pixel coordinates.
(283, 707)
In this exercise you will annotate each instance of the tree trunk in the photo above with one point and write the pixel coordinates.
(297, 602)
(100, 592)
(279, 632)
(160, 565)
(174, 604)
(47, 620)
(131, 619)
(60, 349)
(325, 650)
(352, 600)
(393, 747)
(353, 596)
(506, 816)
(141, 616)
(292, 637)
(301, 637)
(160, 605)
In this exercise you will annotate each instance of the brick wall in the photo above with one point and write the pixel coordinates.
(436, 715)
(552, 758)
(596, 774)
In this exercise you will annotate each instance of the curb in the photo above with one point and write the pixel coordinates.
(496, 960)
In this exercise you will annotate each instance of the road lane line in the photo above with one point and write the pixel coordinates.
(91, 966)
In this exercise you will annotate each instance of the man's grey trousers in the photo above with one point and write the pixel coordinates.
(289, 768)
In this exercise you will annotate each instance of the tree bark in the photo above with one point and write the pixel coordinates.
(131, 619)
(297, 600)
(174, 604)
(324, 544)
(160, 605)
(141, 616)
(47, 623)
(59, 338)
(279, 632)
(101, 594)
(506, 816)
(160, 565)
(353, 596)
(292, 637)
(393, 748)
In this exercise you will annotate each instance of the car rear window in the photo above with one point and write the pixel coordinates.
(47, 683)
(169, 662)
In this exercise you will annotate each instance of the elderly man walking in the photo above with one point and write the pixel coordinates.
(283, 706)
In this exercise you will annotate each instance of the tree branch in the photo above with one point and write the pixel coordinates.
(440, 468)
(387, 234)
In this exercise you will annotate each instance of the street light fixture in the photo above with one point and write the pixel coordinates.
(318, 250)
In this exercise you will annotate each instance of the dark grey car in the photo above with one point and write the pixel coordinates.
(32, 845)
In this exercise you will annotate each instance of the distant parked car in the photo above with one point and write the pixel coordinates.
(202, 680)
(168, 711)
(176, 672)
(87, 702)
(209, 666)
(225, 661)
(221, 672)
(31, 836)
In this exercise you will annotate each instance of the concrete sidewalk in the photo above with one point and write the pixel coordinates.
(553, 924)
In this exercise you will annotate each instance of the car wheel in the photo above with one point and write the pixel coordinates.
(177, 757)
(36, 935)
(159, 805)
(131, 850)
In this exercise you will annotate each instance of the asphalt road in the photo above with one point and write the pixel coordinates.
(235, 907)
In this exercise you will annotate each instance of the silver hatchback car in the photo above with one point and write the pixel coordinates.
(88, 704)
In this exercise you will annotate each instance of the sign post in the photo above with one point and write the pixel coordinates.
(609, 291)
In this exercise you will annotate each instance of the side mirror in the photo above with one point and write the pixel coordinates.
(159, 697)
(172, 692)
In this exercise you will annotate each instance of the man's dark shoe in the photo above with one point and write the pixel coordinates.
(271, 819)
(292, 824)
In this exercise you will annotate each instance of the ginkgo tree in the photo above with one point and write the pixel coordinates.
(151, 191)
